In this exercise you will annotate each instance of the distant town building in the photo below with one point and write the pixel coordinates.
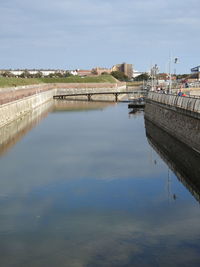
(99, 71)
(196, 73)
(73, 72)
(127, 69)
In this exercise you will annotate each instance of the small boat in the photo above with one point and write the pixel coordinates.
(137, 103)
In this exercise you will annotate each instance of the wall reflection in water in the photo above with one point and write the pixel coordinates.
(81, 190)
(11, 133)
(79, 105)
(181, 159)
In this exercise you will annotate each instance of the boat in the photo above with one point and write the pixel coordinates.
(137, 103)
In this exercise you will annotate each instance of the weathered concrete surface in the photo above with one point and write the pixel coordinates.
(17, 101)
(62, 89)
(179, 116)
(15, 109)
(15, 93)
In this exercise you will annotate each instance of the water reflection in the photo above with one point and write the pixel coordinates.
(11, 133)
(135, 112)
(69, 105)
(180, 158)
(81, 190)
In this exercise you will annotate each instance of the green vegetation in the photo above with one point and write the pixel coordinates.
(14, 81)
(142, 77)
(77, 79)
(119, 76)
(11, 81)
(183, 76)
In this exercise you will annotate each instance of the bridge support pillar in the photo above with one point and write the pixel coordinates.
(116, 97)
(89, 97)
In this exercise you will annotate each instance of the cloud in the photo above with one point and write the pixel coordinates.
(115, 28)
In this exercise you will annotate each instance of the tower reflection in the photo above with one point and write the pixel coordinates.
(181, 159)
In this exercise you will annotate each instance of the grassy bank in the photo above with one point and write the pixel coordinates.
(77, 79)
(10, 82)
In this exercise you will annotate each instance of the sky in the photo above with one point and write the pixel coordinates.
(71, 34)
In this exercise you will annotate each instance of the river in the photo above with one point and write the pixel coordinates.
(81, 185)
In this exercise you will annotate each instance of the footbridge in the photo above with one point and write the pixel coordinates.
(90, 94)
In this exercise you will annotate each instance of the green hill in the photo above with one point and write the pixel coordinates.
(10, 82)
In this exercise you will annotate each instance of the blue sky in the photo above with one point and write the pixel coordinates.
(70, 34)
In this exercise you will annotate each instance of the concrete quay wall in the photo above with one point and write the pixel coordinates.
(16, 109)
(179, 116)
(91, 88)
(16, 93)
(15, 102)
(76, 88)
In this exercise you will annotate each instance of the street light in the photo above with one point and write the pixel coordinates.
(154, 72)
(175, 61)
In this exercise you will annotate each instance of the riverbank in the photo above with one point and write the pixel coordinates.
(15, 102)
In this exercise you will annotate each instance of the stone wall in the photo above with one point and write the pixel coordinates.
(179, 116)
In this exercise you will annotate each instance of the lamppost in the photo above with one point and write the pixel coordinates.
(175, 60)
(154, 72)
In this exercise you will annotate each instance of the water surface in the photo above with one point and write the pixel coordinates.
(85, 187)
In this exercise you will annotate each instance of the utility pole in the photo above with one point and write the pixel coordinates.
(170, 76)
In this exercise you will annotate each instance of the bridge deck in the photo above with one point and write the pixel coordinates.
(90, 94)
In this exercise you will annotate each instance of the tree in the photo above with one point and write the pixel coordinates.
(94, 71)
(182, 76)
(51, 75)
(26, 74)
(104, 73)
(67, 74)
(119, 76)
(58, 75)
(7, 74)
(39, 74)
(142, 77)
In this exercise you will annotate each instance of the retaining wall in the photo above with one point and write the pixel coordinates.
(179, 116)
(15, 109)
(17, 101)
(62, 89)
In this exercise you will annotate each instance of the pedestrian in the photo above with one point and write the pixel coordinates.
(180, 93)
